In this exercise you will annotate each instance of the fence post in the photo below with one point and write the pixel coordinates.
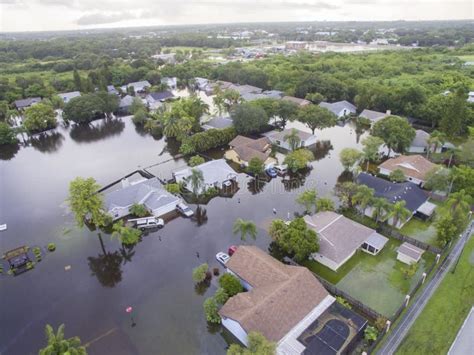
(388, 325)
(424, 278)
(407, 299)
(438, 256)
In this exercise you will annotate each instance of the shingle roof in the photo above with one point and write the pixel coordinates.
(212, 171)
(337, 107)
(67, 96)
(281, 297)
(245, 89)
(126, 101)
(296, 100)
(248, 148)
(373, 116)
(410, 250)
(163, 95)
(280, 135)
(421, 139)
(415, 166)
(409, 192)
(339, 236)
(26, 102)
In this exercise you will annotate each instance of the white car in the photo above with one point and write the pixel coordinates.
(149, 222)
(280, 169)
(223, 258)
(184, 209)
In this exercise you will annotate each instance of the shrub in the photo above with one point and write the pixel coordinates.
(140, 117)
(51, 247)
(173, 188)
(139, 210)
(203, 141)
(370, 334)
(199, 273)
(343, 302)
(196, 160)
(7, 134)
(380, 323)
(298, 159)
(255, 167)
(211, 310)
(230, 284)
(221, 296)
(154, 127)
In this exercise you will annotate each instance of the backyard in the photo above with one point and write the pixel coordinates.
(377, 281)
(437, 326)
(424, 231)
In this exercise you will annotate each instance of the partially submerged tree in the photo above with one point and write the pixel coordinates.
(350, 157)
(256, 167)
(371, 149)
(86, 203)
(7, 134)
(211, 310)
(39, 117)
(59, 345)
(396, 132)
(200, 273)
(230, 284)
(307, 199)
(324, 204)
(126, 235)
(298, 159)
(316, 117)
(244, 228)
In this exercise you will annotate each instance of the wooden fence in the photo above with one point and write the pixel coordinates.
(384, 229)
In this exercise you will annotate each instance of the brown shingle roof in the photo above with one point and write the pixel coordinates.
(415, 166)
(248, 148)
(296, 100)
(282, 295)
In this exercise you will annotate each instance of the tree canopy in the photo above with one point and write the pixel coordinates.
(396, 133)
(249, 118)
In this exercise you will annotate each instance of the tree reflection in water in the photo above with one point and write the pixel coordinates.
(108, 127)
(8, 151)
(200, 216)
(47, 142)
(295, 181)
(255, 186)
(106, 266)
(321, 149)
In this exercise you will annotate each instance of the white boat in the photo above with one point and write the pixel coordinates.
(3, 227)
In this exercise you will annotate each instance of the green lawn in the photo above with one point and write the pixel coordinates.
(438, 324)
(467, 58)
(376, 281)
(424, 231)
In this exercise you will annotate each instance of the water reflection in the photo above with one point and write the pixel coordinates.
(106, 266)
(200, 216)
(47, 142)
(8, 151)
(295, 181)
(321, 149)
(255, 186)
(345, 177)
(107, 128)
(127, 253)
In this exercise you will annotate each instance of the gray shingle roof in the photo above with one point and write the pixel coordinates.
(67, 96)
(23, 103)
(219, 123)
(421, 139)
(373, 116)
(337, 107)
(213, 171)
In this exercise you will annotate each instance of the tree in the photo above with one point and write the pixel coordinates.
(316, 117)
(396, 132)
(58, 345)
(83, 109)
(438, 179)
(397, 176)
(293, 139)
(196, 179)
(7, 134)
(196, 160)
(86, 203)
(176, 125)
(363, 197)
(286, 110)
(255, 167)
(139, 210)
(126, 235)
(459, 202)
(211, 309)
(248, 118)
(140, 117)
(109, 102)
(349, 157)
(455, 114)
(200, 273)
(257, 345)
(137, 105)
(346, 192)
(446, 229)
(435, 140)
(399, 213)
(409, 271)
(371, 147)
(221, 296)
(244, 228)
(39, 117)
(77, 80)
(324, 204)
(298, 159)
(307, 199)
(380, 209)
(295, 239)
(230, 284)
(463, 179)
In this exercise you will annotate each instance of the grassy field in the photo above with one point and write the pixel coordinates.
(424, 231)
(467, 58)
(437, 326)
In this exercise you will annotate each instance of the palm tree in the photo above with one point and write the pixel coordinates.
(196, 179)
(308, 199)
(399, 213)
(459, 201)
(436, 139)
(293, 139)
(245, 228)
(380, 209)
(58, 345)
(363, 197)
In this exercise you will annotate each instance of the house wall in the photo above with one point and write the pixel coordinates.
(387, 172)
(119, 212)
(236, 329)
(285, 144)
(158, 212)
(233, 156)
(310, 141)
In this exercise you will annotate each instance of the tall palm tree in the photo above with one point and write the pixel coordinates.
(399, 213)
(380, 209)
(363, 197)
(58, 345)
(196, 179)
(459, 201)
(293, 139)
(244, 228)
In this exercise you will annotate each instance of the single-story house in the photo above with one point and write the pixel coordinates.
(172, 83)
(245, 89)
(243, 149)
(139, 87)
(249, 96)
(296, 100)
(155, 99)
(340, 108)
(420, 143)
(340, 237)
(278, 138)
(409, 254)
(112, 90)
(374, 116)
(67, 96)
(218, 123)
(148, 192)
(25, 103)
(281, 303)
(416, 199)
(216, 173)
(125, 103)
(201, 83)
(415, 167)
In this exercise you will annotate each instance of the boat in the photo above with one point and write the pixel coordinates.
(3, 227)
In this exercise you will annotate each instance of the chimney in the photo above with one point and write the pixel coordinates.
(389, 112)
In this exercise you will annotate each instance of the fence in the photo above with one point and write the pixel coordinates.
(384, 229)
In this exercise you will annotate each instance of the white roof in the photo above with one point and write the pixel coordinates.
(427, 208)
(214, 171)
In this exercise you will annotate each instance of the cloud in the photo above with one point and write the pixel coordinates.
(100, 18)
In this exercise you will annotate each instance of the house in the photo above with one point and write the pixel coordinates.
(201, 83)
(374, 116)
(167, 58)
(218, 123)
(273, 94)
(296, 100)
(67, 96)
(245, 89)
(420, 143)
(125, 104)
(415, 167)
(287, 305)
(148, 192)
(296, 45)
(171, 83)
(416, 199)
(409, 254)
(278, 138)
(25, 103)
(139, 87)
(216, 173)
(112, 90)
(155, 100)
(340, 238)
(340, 108)
(243, 149)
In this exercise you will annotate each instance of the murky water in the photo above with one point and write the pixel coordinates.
(155, 276)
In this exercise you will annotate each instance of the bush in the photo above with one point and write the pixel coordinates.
(397, 176)
(51, 247)
(140, 117)
(221, 296)
(370, 334)
(230, 284)
(139, 210)
(173, 188)
(255, 167)
(154, 127)
(196, 160)
(203, 141)
(343, 302)
(211, 310)
(298, 159)
(7, 134)
(199, 273)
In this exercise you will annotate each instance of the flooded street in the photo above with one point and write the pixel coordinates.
(155, 276)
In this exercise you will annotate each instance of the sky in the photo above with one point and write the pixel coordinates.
(46, 15)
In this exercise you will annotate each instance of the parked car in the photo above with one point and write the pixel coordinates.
(223, 258)
(149, 222)
(184, 209)
(271, 172)
(280, 169)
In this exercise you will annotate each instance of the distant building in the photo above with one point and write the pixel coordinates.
(139, 87)
(245, 89)
(172, 83)
(278, 138)
(125, 104)
(243, 149)
(156, 99)
(296, 45)
(339, 108)
(409, 254)
(297, 101)
(374, 116)
(420, 143)
(67, 96)
(25, 103)
(415, 167)
(112, 90)
(201, 83)
(169, 58)
(218, 123)
(470, 96)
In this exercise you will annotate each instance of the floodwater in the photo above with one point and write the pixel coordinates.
(104, 278)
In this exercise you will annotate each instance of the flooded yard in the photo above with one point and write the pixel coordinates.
(104, 278)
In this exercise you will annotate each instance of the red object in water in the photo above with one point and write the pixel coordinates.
(129, 309)
(232, 250)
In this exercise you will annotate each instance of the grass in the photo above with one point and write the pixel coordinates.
(424, 231)
(467, 58)
(365, 273)
(438, 324)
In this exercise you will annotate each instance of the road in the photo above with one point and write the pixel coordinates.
(398, 333)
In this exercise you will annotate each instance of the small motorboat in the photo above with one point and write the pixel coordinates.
(3, 227)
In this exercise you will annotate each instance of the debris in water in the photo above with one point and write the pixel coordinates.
(3, 227)
(67, 267)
